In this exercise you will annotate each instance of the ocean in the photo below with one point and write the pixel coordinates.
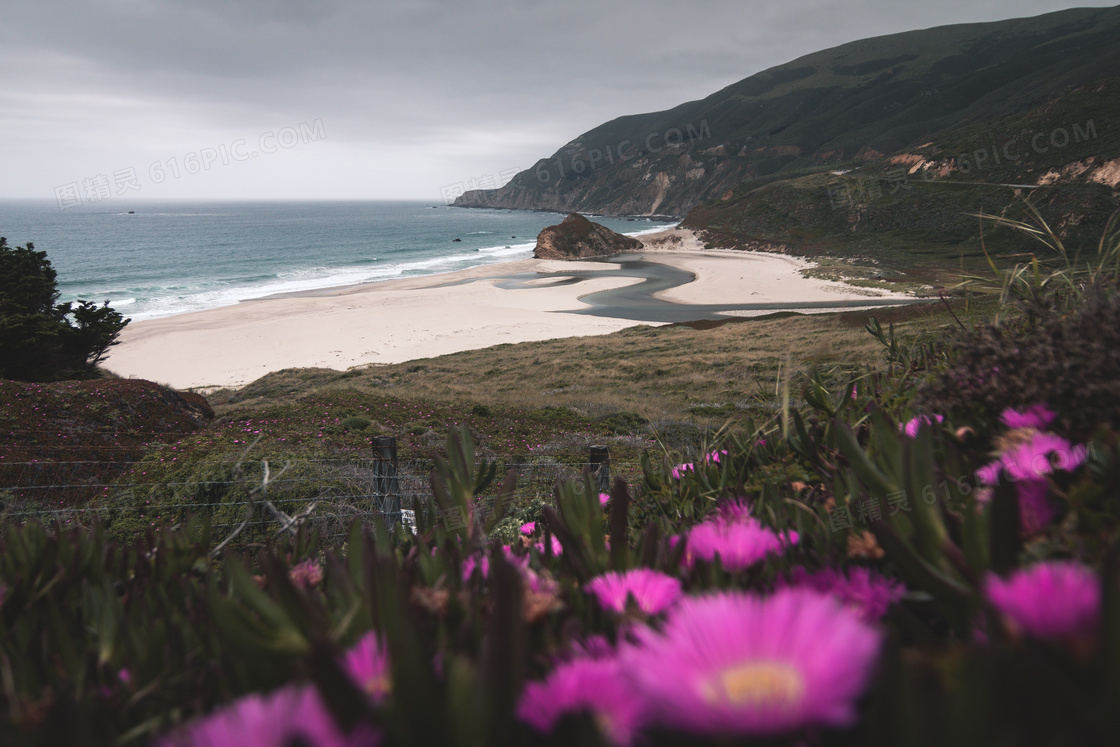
(153, 258)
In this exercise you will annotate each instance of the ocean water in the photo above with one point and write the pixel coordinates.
(173, 257)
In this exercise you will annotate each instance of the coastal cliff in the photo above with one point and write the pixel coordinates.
(578, 238)
(838, 109)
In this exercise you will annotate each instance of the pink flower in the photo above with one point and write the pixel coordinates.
(291, 715)
(588, 685)
(604, 499)
(529, 527)
(557, 548)
(989, 473)
(861, 589)
(1059, 599)
(482, 561)
(680, 469)
(306, 574)
(1027, 465)
(739, 664)
(739, 544)
(911, 426)
(735, 510)
(367, 663)
(653, 592)
(1038, 416)
(1042, 455)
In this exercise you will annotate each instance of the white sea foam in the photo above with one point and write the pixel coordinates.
(180, 300)
(178, 258)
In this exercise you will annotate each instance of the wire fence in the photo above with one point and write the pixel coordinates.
(257, 500)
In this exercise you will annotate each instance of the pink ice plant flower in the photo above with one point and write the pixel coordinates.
(1044, 454)
(680, 469)
(1057, 599)
(528, 527)
(911, 426)
(585, 685)
(713, 456)
(735, 510)
(736, 664)
(367, 663)
(482, 561)
(557, 547)
(1038, 416)
(1027, 465)
(861, 589)
(604, 499)
(291, 715)
(306, 574)
(739, 544)
(653, 592)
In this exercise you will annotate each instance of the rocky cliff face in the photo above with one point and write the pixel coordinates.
(578, 238)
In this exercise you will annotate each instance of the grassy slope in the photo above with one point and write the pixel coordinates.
(536, 406)
(611, 383)
(48, 430)
(924, 223)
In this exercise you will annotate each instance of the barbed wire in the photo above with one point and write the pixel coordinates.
(410, 474)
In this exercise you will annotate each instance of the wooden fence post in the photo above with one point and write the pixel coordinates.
(600, 459)
(386, 480)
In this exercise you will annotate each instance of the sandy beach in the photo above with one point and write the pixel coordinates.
(519, 301)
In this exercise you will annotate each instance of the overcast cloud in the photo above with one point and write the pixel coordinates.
(396, 100)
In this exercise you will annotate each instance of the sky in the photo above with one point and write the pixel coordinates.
(339, 99)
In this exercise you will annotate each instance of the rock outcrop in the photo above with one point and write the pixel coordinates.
(578, 238)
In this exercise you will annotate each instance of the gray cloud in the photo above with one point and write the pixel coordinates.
(412, 95)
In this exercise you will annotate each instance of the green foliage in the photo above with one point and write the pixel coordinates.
(1056, 339)
(41, 339)
(458, 485)
(355, 423)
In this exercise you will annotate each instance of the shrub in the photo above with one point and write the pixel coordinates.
(1066, 358)
(355, 423)
(41, 339)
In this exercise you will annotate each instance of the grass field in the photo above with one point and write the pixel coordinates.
(704, 373)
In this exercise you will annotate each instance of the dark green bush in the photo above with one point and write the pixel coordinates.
(1067, 358)
(41, 339)
(355, 423)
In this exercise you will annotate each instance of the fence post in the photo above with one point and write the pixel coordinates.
(600, 459)
(386, 480)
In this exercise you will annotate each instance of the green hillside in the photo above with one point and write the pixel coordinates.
(830, 110)
(920, 204)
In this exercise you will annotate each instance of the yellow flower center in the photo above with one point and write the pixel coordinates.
(378, 686)
(756, 684)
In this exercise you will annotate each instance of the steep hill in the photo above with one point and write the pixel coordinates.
(920, 202)
(837, 108)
